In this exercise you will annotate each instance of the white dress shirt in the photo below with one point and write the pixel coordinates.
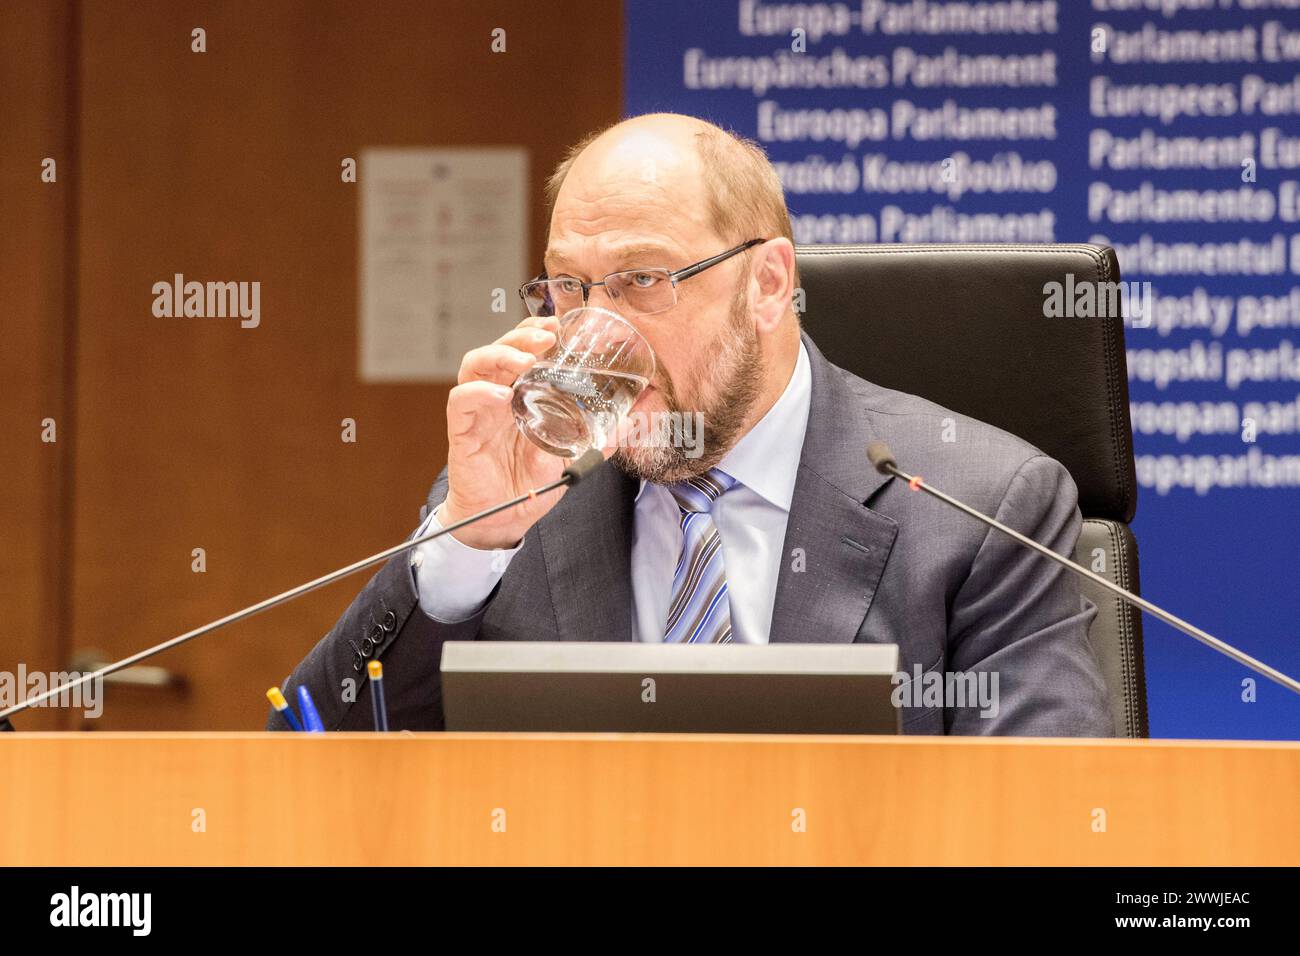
(454, 580)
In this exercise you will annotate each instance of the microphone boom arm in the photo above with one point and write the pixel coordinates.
(884, 462)
(574, 473)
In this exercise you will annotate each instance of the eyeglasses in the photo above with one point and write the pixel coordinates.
(634, 292)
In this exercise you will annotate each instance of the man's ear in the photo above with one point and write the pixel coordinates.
(772, 283)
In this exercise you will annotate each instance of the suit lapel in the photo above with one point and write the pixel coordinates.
(587, 546)
(835, 546)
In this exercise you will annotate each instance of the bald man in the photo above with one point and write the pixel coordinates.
(773, 528)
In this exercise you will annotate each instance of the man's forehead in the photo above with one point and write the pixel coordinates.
(643, 250)
(636, 197)
(615, 231)
(632, 171)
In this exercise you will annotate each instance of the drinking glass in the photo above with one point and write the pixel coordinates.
(574, 397)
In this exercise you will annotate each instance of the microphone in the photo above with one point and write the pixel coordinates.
(579, 469)
(882, 459)
(582, 466)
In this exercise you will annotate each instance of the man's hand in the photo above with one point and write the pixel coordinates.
(488, 458)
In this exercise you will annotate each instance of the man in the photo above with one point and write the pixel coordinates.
(778, 531)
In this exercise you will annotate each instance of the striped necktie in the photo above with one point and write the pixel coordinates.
(699, 612)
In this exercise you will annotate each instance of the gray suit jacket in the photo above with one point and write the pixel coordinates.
(875, 561)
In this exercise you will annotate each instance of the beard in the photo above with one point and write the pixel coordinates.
(725, 385)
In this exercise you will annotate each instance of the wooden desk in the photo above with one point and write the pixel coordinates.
(355, 799)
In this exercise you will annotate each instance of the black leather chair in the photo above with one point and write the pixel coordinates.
(963, 326)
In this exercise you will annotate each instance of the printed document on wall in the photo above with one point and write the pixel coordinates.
(444, 237)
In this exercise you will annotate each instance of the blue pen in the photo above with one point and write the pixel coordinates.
(310, 719)
(376, 671)
(282, 708)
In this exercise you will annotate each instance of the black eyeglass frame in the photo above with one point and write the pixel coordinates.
(681, 275)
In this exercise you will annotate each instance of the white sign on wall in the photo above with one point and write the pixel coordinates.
(444, 232)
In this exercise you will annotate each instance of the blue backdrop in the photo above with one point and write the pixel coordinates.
(1169, 129)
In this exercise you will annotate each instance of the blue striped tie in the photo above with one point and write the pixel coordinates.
(699, 612)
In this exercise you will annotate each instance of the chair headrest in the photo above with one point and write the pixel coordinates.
(966, 326)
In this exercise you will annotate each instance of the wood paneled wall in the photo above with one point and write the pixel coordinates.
(185, 434)
(37, 296)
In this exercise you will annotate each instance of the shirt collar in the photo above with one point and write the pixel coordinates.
(766, 458)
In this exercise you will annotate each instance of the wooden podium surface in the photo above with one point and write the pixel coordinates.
(360, 799)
